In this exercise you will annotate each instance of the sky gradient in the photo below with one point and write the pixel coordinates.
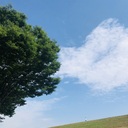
(93, 37)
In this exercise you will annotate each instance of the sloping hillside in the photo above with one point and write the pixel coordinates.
(113, 122)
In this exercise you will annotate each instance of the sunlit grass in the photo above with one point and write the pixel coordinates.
(114, 122)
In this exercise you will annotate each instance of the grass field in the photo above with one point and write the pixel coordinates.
(113, 122)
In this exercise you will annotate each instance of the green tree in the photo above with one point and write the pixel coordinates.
(28, 61)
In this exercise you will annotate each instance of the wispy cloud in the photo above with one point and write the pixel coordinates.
(102, 62)
(32, 115)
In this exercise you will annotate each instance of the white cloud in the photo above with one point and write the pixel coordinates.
(32, 115)
(102, 62)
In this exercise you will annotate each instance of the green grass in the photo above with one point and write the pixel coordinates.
(113, 122)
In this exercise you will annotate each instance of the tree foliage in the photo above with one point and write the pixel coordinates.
(28, 61)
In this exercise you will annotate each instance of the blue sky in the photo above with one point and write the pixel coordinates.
(93, 37)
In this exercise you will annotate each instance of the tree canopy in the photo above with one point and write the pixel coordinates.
(28, 61)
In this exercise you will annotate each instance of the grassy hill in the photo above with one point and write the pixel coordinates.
(113, 122)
